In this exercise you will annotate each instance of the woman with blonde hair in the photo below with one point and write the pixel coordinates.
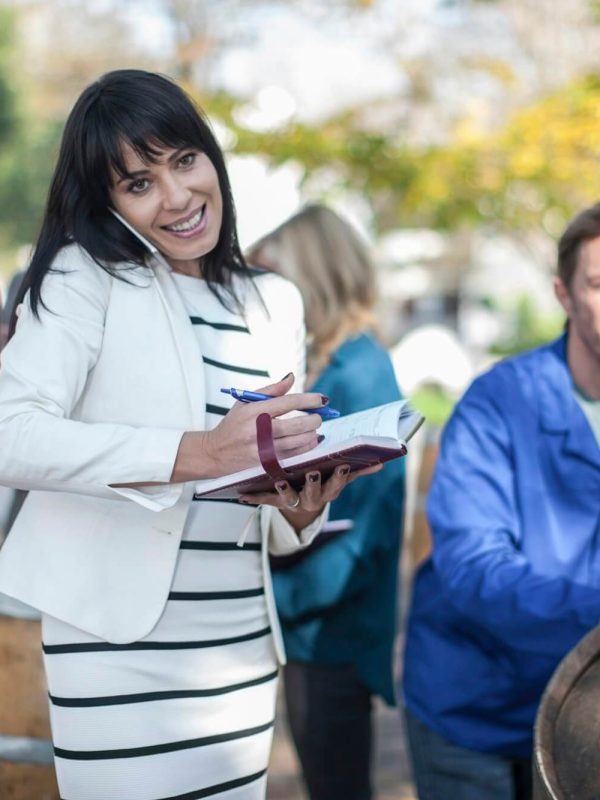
(337, 600)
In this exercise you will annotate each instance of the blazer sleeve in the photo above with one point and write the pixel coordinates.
(43, 373)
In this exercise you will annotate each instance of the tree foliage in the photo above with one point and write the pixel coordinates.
(27, 149)
(7, 94)
(536, 168)
(539, 168)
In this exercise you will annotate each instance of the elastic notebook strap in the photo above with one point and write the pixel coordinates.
(266, 448)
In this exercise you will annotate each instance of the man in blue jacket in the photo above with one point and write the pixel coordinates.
(514, 578)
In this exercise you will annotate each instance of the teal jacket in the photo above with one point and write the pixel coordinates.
(337, 604)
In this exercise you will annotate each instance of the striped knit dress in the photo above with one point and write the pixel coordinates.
(186, 712)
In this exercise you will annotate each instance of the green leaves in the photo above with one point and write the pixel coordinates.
(544, 162)
(27, 150)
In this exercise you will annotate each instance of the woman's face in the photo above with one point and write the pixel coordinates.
(175, 203)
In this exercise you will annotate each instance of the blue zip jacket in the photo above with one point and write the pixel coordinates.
(337, 605)
(514, 579)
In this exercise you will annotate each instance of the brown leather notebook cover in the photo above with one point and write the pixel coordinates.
(357, 456)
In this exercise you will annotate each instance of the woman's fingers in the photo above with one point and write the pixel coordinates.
(315, 493)
(290, 497)
(278, 406)
(337, 481)
(281, 387)
(366, 471)
(286, 497)
(295, 445)
(303, 423)
(342, 477)
(312, 498)
(296, 435)
(281, 402)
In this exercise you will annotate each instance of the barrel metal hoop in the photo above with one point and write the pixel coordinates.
(26, 749)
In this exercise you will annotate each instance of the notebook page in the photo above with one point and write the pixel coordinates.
(378, 421)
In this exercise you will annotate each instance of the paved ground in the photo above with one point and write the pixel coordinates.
(392, 775)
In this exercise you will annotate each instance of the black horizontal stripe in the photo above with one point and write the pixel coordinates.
(219, 326)
(243, 370)
(155, 749)
(218, 788)
(223, 546)
(238, 594)
(101, 647)
(220, 410)
(149, 697)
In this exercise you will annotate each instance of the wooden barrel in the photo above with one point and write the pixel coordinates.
(567, 728)
(26, 769)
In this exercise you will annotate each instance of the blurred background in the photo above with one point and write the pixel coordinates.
(459, 136)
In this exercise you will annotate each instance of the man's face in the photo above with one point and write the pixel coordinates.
(581, 301)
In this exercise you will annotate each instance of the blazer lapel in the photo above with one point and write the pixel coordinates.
(185, 341)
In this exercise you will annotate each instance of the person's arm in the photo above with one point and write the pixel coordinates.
(476, 533)
(44, 369)
(350, 563)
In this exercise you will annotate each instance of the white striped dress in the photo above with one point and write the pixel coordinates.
(186, 712)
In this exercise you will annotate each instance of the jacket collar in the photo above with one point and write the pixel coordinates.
(555, 387)
(347, 350)
(560, 411)
(183, 334)
(185, 340)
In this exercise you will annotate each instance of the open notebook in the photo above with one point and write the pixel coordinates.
(361, 439)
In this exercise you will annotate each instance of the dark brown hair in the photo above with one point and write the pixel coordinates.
(148, 112)
(582, 228)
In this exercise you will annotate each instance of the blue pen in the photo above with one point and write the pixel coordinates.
(252, 397)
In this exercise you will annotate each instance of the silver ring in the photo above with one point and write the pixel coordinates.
(294, 505)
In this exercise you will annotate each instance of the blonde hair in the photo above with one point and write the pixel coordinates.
(324, 256)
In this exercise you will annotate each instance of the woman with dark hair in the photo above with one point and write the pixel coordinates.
(159, 633)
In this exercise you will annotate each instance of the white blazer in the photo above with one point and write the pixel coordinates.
(99, 391)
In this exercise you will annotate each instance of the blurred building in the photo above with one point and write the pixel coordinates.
(448, 298)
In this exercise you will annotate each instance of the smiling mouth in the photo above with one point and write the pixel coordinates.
(188, 225)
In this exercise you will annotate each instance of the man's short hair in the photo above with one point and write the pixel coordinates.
(582, 228)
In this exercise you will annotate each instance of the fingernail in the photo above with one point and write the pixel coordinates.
(285, 377)
(281, 486)
(320, 437)
(324, 399)
(314, 477)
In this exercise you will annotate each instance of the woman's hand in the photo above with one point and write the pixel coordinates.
(231, 446)
(303, 507)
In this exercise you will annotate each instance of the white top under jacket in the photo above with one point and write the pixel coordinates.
(99, 391)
